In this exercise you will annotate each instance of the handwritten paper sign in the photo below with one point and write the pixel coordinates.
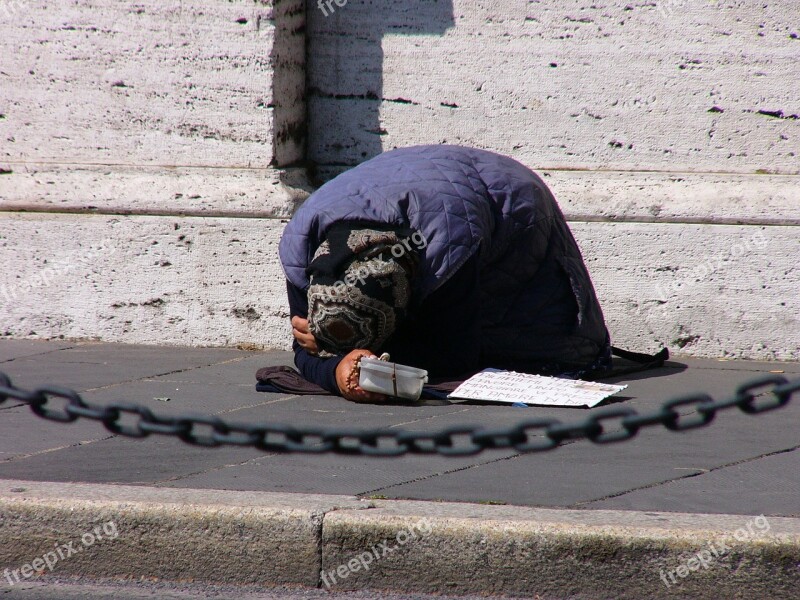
(509, 387)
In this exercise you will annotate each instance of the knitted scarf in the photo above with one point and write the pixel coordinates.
(360, 285)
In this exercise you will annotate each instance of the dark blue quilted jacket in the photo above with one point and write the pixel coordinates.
(538, 305)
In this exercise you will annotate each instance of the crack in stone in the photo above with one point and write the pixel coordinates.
(700, 472)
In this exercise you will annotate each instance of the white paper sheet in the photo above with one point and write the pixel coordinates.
(509, 387)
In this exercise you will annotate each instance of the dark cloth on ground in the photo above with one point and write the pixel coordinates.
(285, 380)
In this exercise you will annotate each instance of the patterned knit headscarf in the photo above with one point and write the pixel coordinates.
(360, 286)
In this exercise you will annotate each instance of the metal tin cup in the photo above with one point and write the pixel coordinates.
(391, 379)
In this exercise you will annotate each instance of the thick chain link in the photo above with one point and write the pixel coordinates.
(616, 424)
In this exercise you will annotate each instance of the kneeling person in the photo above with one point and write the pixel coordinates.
(451, 259)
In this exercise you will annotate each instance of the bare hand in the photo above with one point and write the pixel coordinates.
(347, 379)
(303, 335)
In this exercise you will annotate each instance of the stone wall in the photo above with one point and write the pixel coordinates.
(151, 152)
(668, 131)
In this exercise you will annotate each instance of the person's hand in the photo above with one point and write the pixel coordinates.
(303, 335)
(347, 379)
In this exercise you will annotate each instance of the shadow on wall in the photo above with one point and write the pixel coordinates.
(345, 73)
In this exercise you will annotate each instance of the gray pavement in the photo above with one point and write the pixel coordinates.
(740, 464)
(621, 521)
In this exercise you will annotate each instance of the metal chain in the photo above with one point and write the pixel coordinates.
(534, 435)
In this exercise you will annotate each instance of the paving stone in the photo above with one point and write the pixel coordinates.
(13, 349)
(767, 486)
(222, 382)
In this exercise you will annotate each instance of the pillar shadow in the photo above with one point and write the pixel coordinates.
(346, 70)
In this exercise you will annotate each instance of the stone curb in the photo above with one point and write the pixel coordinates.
(344, 543)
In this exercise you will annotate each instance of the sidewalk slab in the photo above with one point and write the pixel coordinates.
(171, 381)
(92, 365)
(14, 349)
(769, 485)
(634, 474)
